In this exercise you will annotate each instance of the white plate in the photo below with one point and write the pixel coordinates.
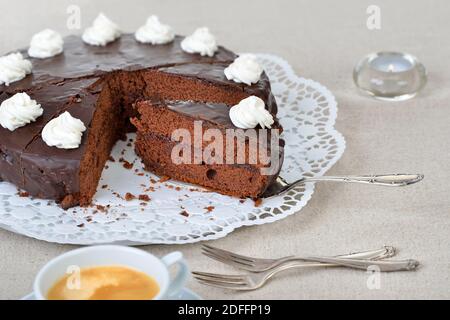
(185, 294)
(307, 111)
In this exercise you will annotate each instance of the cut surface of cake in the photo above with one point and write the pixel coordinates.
(99, 85)
(157, 122)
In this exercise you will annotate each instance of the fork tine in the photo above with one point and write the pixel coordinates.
(226, 259)
(223, 286)
(229, 255)
(219, 281)
(225, 252)
(219, 277)
(229, 262)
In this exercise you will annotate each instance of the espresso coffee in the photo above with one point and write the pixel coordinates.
(105, 283)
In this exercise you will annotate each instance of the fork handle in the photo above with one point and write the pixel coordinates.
(393, 180)
(384, 266)
(383, 253)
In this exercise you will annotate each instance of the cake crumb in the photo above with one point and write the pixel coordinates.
(209, 208)
(184, 213)
(23, 194)
(242, 200)
(104, 186)
(258, 202)
(140, 174)
(152, 180)
(144, 197)
(100, 208)
(164, 179)
(129, 196)
(110, 158)
(177, 188)
(129, 144)
(127, 165)
(81, 225)
(117, 195)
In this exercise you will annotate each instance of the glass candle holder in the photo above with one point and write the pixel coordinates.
(391, 76)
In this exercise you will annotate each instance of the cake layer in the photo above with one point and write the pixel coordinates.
(235, 180)
(199, 118)
(214, 73)
(157, 112)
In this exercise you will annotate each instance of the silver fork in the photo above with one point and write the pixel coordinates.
(255, 280)
(280, 186)
(259, 265)
(252, 281)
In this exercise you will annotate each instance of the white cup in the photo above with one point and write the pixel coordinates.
(107, 255)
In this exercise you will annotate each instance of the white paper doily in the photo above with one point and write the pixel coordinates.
(180, 213)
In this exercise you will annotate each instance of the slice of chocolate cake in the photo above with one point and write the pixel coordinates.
(196, 142)
(14, 145)
(71, 175)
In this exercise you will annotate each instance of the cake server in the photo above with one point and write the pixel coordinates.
(280, 186)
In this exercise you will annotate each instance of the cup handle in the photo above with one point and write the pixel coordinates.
(181, 277)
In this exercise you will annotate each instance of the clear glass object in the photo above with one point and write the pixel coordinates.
(391, 76)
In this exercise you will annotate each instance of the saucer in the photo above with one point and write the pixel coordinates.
(184, 294)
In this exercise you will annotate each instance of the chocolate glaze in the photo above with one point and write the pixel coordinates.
(14, 145)
(82, 60)
(215, 74)
(214, 113)
(51, 172)
(65, 82)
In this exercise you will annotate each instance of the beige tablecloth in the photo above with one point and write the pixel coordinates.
(322, 40)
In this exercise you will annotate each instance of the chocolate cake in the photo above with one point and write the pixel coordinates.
(156, 122)
(100, 86)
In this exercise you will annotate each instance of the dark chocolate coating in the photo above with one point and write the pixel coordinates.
(216, 114)
(14, 145)
(82, 60)
(62, 83)
(215, 73)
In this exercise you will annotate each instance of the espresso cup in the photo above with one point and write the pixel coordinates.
(107, 255)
